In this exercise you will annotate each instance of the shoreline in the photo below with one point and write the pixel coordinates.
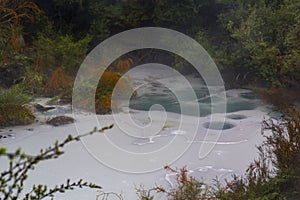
(231, 154)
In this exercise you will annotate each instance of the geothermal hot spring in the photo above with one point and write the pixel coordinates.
(238, 131)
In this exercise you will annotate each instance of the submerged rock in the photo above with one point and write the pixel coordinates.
(60, 120)
(41, 108)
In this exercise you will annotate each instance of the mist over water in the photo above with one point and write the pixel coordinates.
(154, 93)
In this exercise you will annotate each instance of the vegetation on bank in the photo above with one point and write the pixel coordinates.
(12, 109)
(274, 175)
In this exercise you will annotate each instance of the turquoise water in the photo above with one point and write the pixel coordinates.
(244, 101)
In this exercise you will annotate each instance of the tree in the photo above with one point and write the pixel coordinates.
(261, 30)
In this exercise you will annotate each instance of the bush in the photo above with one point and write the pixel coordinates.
(55, 60)
(57, 50)
(283, 150)
(274, 175)
(15, 114)
(14, 95)
(187, 187)
(33, 80)
(105, 88)
(281, 97)
(58, 83)
(12, 110)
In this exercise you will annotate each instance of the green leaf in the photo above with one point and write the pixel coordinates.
(2, 151)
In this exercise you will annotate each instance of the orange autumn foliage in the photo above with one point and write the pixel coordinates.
(124, 66)
(58, 82)
(106, 86)
(109, 79)
(104, 91)
(14, 40)
(13, 14)
(16, 11)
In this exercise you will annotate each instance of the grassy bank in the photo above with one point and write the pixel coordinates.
(12, 109)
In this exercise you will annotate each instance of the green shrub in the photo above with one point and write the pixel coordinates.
(60, 51)
(12, 110)
(15, 114)
(14, 95)
(33, 80)
(283, 149)
(275, 175)
(186, 187)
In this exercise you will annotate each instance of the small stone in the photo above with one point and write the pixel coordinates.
(41, 108)
(60, 120)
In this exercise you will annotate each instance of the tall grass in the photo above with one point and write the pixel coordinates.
(14, 95)
(12, 109)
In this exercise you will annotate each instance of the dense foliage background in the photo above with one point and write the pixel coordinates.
(251, 41)
(255, 43)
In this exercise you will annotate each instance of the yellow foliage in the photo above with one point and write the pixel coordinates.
(124, 65)
(106, 86)
(105, 102)
(109, 78)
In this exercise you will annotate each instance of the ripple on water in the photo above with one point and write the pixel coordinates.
(178, 132)
(150, 140)
(249, 95)
(143, 141)
(236, 116)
